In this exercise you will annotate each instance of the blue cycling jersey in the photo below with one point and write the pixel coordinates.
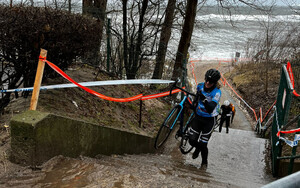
(214, 95)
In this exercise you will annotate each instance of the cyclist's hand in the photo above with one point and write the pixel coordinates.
(201, 96)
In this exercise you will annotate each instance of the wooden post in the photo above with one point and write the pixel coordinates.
(38, 80)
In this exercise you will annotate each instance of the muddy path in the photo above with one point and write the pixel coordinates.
(236, 159)
(242, 119)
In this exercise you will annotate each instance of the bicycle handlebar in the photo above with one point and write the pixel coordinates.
(175, 86)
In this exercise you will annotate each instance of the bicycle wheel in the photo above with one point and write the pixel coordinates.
(217, 124)
(166, 128)
(185, 146)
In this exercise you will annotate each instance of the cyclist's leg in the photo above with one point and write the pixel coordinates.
(194, 132)
(221, 124)
(207, 129)
(227, 124)
(204, 152)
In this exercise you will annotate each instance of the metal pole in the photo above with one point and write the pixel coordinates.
(290, 181)
(141, 107)
(184, 74)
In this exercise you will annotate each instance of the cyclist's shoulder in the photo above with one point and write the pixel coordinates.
(200, 84)
(217, 90)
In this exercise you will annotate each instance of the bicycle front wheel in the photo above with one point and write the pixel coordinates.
(166, 128)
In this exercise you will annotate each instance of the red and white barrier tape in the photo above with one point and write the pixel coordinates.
(289, 69)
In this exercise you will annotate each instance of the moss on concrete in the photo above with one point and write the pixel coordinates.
(30, 117)
(37, 137)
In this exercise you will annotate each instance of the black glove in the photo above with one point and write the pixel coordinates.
(201, 96)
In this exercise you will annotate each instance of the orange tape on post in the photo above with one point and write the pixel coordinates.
(59, 71)
(193, 66)
(160, 94)
(241, 98)
(269, 111)
(260, 114)
(42, 58)
(289, 69)
(287, 132)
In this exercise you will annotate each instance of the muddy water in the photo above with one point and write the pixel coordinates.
(236, 159)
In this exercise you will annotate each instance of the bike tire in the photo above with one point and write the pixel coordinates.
(217, 124)
(185, 146)
(166, 128)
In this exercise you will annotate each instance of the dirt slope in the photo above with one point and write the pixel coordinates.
(78, 104)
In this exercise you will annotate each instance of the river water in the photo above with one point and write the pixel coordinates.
(224, 35)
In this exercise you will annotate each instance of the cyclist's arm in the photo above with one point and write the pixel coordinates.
(209, 106)
(195, 102)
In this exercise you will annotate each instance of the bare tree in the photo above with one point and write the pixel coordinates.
(276, 42)
(137, 32)
(185, 38)
(165, 35)
(125, 45)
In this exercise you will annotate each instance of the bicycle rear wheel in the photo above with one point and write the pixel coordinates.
(166, 128)
(217, 123)
(185, 146)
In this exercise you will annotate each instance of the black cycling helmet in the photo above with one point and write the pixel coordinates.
(212, 75)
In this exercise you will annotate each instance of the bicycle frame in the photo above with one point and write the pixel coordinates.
(181, 109)
(180, 114)
(172, 118)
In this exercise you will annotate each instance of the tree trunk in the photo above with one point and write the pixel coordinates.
(134, 60)
(101, 9)
(138, 51)
(86, 6)
(125, 47)
(100, 5)
(267, 62)
(69, 5)
(185, 38)
(164, 40)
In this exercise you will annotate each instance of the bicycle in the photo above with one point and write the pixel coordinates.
(176, 114)
(218, 120)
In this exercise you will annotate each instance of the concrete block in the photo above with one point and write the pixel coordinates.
(37, 137)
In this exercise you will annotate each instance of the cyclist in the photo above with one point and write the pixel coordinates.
(227, 111)
(206, 104)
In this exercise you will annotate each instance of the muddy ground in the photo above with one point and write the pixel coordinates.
(121, 115)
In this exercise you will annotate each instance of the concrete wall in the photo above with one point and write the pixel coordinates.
(36, 137)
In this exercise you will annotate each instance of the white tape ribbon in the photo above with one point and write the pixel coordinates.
(95, 83)
(289, 142)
